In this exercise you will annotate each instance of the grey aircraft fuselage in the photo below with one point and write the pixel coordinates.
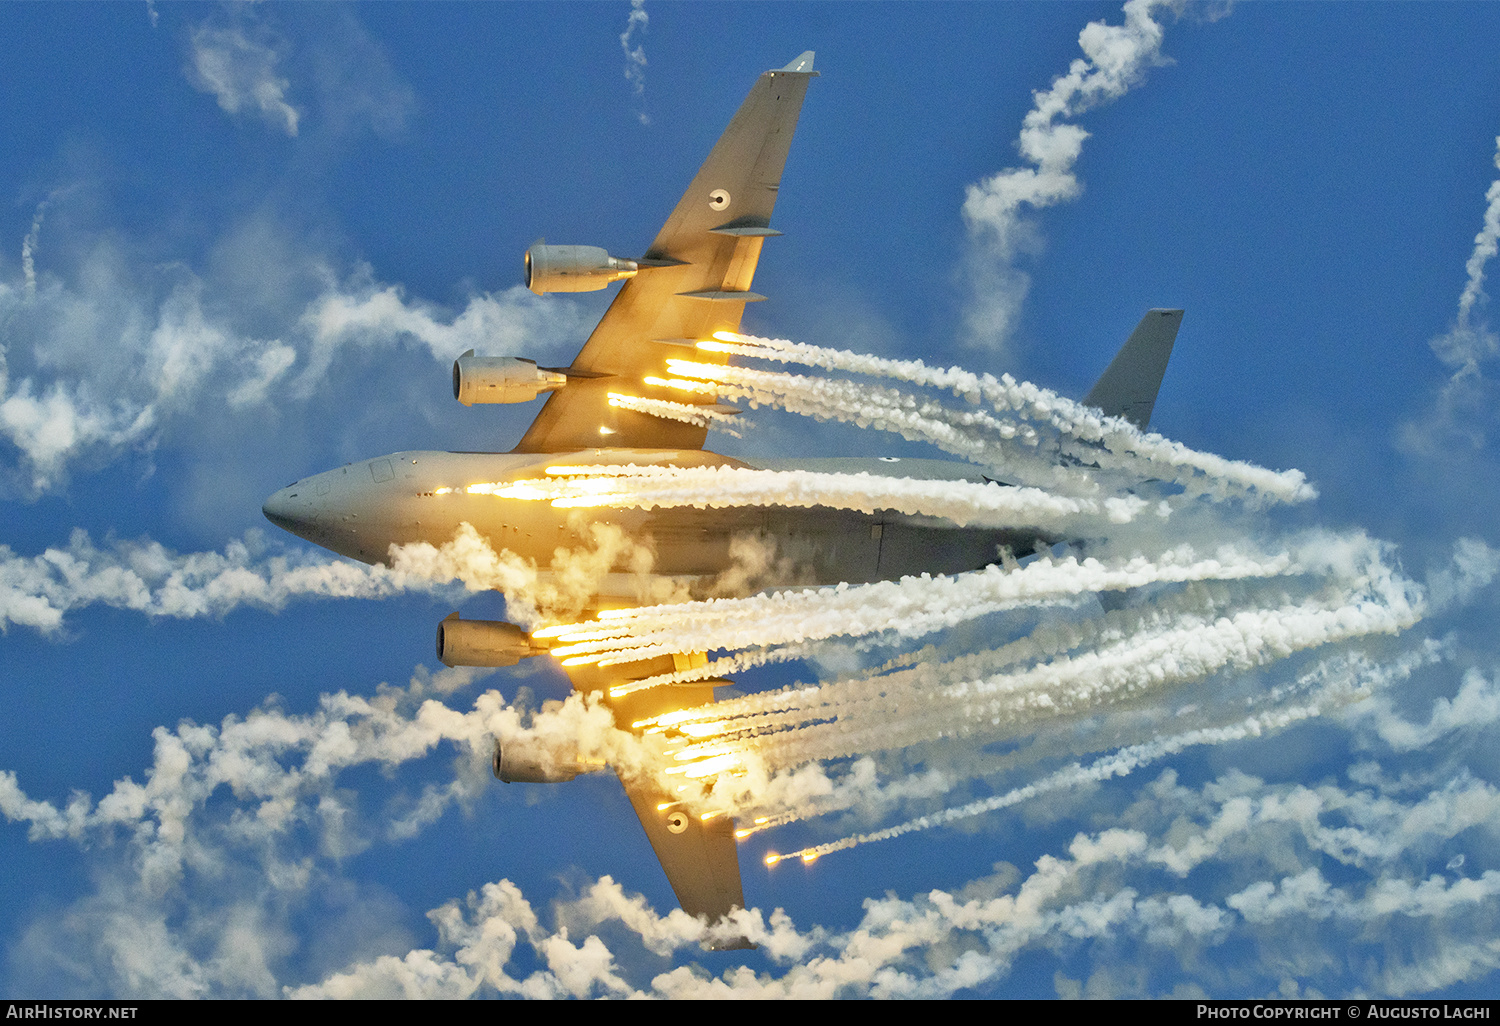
(364, 509)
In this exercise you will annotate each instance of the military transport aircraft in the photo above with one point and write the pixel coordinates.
(692, 281)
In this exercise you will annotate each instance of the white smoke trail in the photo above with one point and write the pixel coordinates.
(684, 412)
(532, 594)
(1115, 58)
(272, 758)
(1350, 684)
(1465, 404)
(907, 608)
(28, 251)
(1193, 650)
(926, 670)
(283, 770)
(1031, 402)
(147, 577)
(1099, 899)
(1335, 682)
(1485, 247)
(1008, 448)
(847, 718)
(635, 58)
(628, 635)
(1116, 764)
(266, 796)
(965, 503)
(116, 352)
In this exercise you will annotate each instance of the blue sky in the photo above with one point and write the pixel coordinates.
(190, 188)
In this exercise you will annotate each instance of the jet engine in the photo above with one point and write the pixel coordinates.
(513, 765)
(482, 643)
(574, 269)
(501, 379)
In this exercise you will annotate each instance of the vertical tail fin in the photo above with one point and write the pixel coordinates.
(1128, 387)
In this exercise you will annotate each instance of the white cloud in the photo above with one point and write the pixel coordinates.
(1475, 707)
(114, 353)
(1475, 565)
(1086, 905)
(356, 87)
(241, 74)
(208, 861)
(362, 313)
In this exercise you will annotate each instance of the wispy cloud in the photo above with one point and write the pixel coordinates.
(110, 353)
(241, 74)
(354, 86)
(344, 85)
(1115, 59)
(635, 57)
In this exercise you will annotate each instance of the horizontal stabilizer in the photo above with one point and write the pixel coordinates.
(1128, 387)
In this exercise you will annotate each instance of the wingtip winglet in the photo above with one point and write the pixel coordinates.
(803, 64)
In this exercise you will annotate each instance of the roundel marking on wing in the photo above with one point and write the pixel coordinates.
(718, 199)
(677, 822)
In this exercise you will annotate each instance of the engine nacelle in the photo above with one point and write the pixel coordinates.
(501, 379)
(514, 765)
(482, 643)
(574, 269)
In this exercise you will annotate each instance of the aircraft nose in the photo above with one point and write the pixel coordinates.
(285, 511)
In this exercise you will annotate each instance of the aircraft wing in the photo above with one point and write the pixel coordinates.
(694, 280)
(700, 859)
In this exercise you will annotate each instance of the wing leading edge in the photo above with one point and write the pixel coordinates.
(695, 280)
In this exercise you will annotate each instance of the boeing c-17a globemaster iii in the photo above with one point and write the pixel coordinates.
(691, 282)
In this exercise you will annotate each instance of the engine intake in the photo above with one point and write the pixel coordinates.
(574, 269)
(501, 379)
(482, 643)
